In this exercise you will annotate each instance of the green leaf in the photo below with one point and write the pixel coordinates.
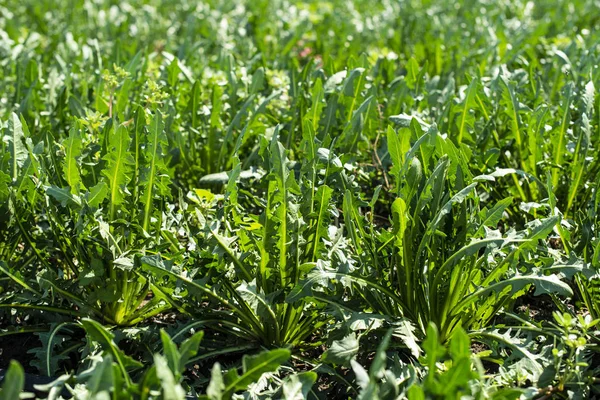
(258, 81)
(122, 96)
(342, 351)
(398, 146)
(363, 380)
(14, 382)
(405, 331)
(173, 71)
(322, 199)
(492, 216)
(102, 377)
(195, 102)
(412, 73)
(171, 389)
(460, 345)
(543, 285)
(377, 368)
(171, 353)
(512, 109)
(350, 86)
(317, 105)
(100, 334)
(5, 180)
(399, 218)
(458, 198)
(579, 161)
(70, 164)
(559, 138)
(225, 244)
(416, 392)
(97, 194)
(297, 386)
(588, 97)
(15, 139)
(48, 345)
(188, 349)
(542, 228)
(354, 129)
(118, 170)
(278, 204)
(465, 119)
(216, 387)
(156, 142)
(63, 196)
(253, 367)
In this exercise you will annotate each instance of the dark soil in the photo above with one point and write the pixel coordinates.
(15, 347)
(538, 308)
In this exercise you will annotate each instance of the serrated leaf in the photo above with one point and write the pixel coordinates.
(492, 216)
(397, 149)
(5, 180)
(512, 109)
(15, 139)
(322, 200)
(216, 387)
(252, 369)
(124, 263)
(544, 285)
(342, 351)
(399, 218)
(334, 81)
(560, 138)
(465, 119)
(101, 379)
(171, 389)
(588, 97)
(156, 142)
(97, 194)
(118, 170)
(406, 332)
(70, 164)
(297, 386)
(63, 196)
(105, 339)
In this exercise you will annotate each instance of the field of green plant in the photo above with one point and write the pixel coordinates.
(286, 199)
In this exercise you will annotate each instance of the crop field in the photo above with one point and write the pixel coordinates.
(286, 199)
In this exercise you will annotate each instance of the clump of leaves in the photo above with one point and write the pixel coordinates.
(91, 197)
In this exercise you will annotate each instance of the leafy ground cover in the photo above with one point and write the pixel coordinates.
(277, 199)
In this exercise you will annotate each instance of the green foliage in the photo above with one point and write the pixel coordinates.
(14, 381)
(359, 199)
(253, 367)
